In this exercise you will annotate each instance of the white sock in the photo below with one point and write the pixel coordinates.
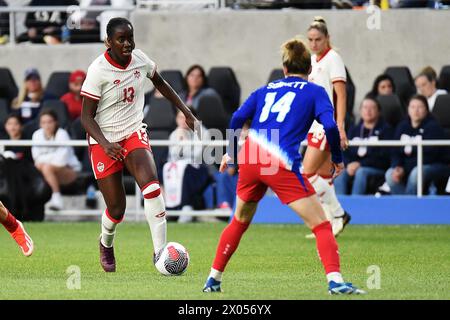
(216, 274)
(155, 212)
(335, 276)
(327, 194)
(108, 230)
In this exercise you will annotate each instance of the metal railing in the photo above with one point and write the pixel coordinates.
(419, 143)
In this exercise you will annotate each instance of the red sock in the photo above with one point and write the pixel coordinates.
(327, 247)
(10, 223)
(228, 243)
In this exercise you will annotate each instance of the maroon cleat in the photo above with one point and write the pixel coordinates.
(107, 259)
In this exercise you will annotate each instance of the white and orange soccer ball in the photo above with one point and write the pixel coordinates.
(172, 260)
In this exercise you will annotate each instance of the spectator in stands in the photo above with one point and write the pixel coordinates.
(72, 99)
(196, 86)
(415, 4)
(382, 86)
(4, 24)
(31, 95)
(58, 165)
(45, 26)
(364, 163)
(185, 177)
(402, 176)
(426, 84)
(13, 128)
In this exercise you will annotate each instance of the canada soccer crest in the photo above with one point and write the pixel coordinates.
(137, 74)
(100, 167)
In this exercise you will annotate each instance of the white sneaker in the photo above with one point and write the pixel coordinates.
(183, 218)
(337, 225)
(56, 202)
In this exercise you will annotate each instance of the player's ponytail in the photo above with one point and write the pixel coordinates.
(320, 25)
(296, 57)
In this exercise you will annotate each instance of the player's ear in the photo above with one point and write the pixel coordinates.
(285, 72)
(107, 42)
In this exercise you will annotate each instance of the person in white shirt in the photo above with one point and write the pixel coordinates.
(426, 86)
(58, 165)
(112, 115)
(328, 71)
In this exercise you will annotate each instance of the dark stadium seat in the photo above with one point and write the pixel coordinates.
(174, 78)
(211, 112)
(223, 80)
(77, 132)
(61, 110)
(276, 74)
(441, 111)
(391, 109)
(160, 154)
(4, 111)
(8, 87)
(29, 128)
(160, 115)
(403, 81)
(444, 78)
(351, 91)
(58, 83)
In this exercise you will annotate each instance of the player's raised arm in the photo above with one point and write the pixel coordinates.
(168, 92)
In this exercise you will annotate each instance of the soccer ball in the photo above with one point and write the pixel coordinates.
(172, 260)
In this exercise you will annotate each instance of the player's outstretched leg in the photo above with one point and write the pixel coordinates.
(17, 231)
(155, 213)
(312, 213)
(229, 242)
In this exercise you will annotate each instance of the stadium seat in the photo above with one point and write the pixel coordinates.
(174, 78)
(441, 111)
(77, 132)
(4, 110)
(8, 87)
(61, 110)
(160, 154)
(58, 83)
(444, 78)
(223, 80)
(161, 115)
(391, 109)
(29, 128)
(403, 81)
(211, 112)
(275, 75)
(351, 91)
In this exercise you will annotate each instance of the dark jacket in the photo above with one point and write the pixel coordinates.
(375, 157)
(406, 157)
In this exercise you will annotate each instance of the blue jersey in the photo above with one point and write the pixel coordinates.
(282, 113)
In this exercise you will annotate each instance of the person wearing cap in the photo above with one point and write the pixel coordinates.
(31, 95)
(72, 99)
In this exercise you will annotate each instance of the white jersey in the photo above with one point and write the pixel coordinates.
(325, 72)
(119, 92)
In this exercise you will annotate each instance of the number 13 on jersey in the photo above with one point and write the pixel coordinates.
(282, 106)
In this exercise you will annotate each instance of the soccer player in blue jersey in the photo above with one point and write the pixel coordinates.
(282, 113)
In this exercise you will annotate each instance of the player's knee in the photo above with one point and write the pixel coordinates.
(153, 199)
(117, 211)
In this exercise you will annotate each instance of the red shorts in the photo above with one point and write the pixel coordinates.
(255, 178)
(318, 140)
(104, 166)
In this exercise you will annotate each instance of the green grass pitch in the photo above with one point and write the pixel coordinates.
(272, 262)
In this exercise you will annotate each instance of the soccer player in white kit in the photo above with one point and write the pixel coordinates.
(112, 114)
(328, 71)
